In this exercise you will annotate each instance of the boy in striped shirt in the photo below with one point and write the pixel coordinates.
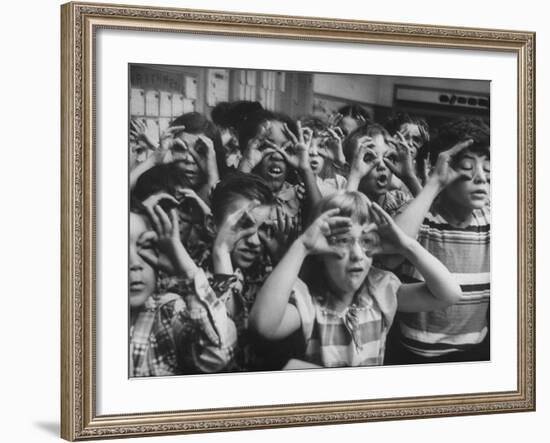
(451, 219)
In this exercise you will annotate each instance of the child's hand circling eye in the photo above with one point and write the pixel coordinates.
(443, 172)
(204, 154)
(333, 149)
(296, 150)
(138, 132)
(400, 161)
(256, 149)
(393, 239)
(363, 160)
(276, 234)
(166, 236)
(237, 225)
(316, 237)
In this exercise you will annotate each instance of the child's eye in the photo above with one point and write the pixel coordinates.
(368, 241)
(392, 158)
(341, 241)
(466, 164)
(368, 158)
(323, 142)
(149, 245)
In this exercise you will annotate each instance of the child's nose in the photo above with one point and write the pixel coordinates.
(380, 165)
(356, 252)
(135, 262)
(276, 156)
(481, 176)
(253, 240)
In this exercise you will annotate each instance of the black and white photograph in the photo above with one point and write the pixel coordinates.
(285, 220)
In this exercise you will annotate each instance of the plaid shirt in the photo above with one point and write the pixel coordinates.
(190, 333)
(355, 336)
(225, 302)
(152, 346)
(206, 336)
(288, 199)
(394, 201)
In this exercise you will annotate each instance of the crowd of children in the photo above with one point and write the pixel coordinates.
(262, 242)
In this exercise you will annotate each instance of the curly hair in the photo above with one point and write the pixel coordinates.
(459, 130)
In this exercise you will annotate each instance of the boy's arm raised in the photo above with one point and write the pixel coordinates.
(411, 217)
(439, 289)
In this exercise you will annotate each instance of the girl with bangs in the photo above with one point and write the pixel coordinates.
(375, 158)
(344, 306)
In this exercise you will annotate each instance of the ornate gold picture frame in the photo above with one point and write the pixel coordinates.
(80, 23)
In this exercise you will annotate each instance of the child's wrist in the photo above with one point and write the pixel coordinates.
(410, 249)
(341, 160)
(306, 171)
(301, 246)
(434, 183)
(220, 247)
(246, 165)
(184, 265)
(407, 176)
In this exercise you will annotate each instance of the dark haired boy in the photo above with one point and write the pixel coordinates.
(236, 269)
(451, 219)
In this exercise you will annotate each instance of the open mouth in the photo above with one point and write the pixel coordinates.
(314, 164)
(382, 181)
(276, 170)
(356, 270)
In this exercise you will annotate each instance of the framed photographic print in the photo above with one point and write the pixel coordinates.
(282, 221)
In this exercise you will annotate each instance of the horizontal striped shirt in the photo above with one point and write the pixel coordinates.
(355, 336)
(466, 253)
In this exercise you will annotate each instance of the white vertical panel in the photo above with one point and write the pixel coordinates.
(152, 103)
(137, 101)
(190, 87)
(163, 124)
(188, 105)
(177, 104)
(165, 104)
